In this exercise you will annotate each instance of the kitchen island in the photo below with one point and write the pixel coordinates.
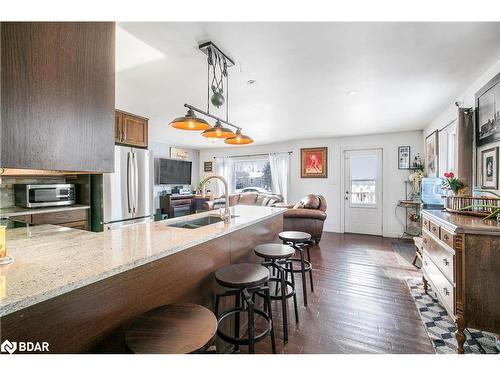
(77, 290)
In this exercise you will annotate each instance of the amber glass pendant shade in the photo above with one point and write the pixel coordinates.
(218, 131)
(190, 122)
(239, 139)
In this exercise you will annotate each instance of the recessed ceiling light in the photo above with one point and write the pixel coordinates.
(251, 81)
(352, 92)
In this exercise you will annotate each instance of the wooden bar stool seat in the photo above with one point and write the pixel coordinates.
(244, 275)
(172, 329)
(245, 280)
(274, 251)
(300, 241)
(276, 256)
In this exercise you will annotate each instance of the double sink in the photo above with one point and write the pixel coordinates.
(198, 223)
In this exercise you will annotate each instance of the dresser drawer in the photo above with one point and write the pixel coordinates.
(426, 223)
(447, 237)
(434, 228)
(443, 257)
(441, 285)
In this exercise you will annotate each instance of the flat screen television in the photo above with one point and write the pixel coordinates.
(173, 171)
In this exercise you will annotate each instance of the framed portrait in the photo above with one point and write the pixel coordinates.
(314, 162)
(431, 154)
(488, 112)
(489, 168)
(404, 157)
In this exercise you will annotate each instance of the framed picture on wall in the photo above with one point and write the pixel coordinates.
(404, 157)
(431, 154)
(488, 112)
(489, 168)
(314, 162)
(207, 166)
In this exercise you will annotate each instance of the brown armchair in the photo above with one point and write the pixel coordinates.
(308, 216)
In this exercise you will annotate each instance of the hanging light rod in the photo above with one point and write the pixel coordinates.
(207, 47)
(210, 115)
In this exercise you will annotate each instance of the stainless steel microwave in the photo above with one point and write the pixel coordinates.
(31, 196)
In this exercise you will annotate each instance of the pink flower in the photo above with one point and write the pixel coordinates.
(449, 175)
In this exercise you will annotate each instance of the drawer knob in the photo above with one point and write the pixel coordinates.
(446, 237)
(425, 240)
(445, 261)
(446, 292)
(434, 229)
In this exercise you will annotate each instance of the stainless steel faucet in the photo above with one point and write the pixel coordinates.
(226, 216)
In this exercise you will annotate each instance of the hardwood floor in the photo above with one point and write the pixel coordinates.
(361, 303)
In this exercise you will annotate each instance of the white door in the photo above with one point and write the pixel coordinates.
(363, 191)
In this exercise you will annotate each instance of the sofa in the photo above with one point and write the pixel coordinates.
(308, 216)
(249, 199)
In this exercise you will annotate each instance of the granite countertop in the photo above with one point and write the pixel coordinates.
(18, 211)
(52, 260)
(464, 223)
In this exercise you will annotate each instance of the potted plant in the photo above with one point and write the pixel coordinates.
(453, 184)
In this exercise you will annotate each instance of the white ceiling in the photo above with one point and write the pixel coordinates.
(404, 75)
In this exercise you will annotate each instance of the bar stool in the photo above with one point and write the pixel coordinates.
(244, 281)
(172, 329)
(276, 257)
(300, 241)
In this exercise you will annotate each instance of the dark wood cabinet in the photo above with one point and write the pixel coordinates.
(130, 129)
(58, 95)
(75, 218)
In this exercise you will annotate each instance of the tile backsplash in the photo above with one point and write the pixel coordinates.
(7, 186)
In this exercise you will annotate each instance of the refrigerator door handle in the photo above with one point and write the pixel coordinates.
(136, 184)
(129, 179)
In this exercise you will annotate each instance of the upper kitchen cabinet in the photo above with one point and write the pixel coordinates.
(130, 129)
(58, 95)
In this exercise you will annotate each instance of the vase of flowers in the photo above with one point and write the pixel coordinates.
(453, 184)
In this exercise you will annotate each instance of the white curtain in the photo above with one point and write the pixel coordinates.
(224, 168)
(280, 173)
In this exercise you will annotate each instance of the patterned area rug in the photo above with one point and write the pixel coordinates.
(441, 328)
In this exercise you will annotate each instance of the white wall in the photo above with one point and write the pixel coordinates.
(466, 100)
(393, 189)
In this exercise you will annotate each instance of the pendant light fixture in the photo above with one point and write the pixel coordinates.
(190, 122)
(219, 62)
(218, 131)
(239, 139)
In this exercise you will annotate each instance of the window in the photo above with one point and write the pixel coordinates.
(364, 180)
(252, 175)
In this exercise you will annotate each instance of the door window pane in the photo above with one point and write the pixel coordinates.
(364, 179)
(363, 192)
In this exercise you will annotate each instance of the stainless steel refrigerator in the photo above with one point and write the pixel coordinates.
(128, 192)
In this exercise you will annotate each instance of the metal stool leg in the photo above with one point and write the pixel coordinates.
(284, 306)
(290, 265)
(311, 271)
(237, 304)
(251, 321)
(303, 272)
(216, 310)
(273, 340)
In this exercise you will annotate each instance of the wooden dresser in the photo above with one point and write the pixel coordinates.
(461, 261)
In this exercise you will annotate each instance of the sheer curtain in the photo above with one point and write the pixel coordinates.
(224, 168)
(280, 173)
